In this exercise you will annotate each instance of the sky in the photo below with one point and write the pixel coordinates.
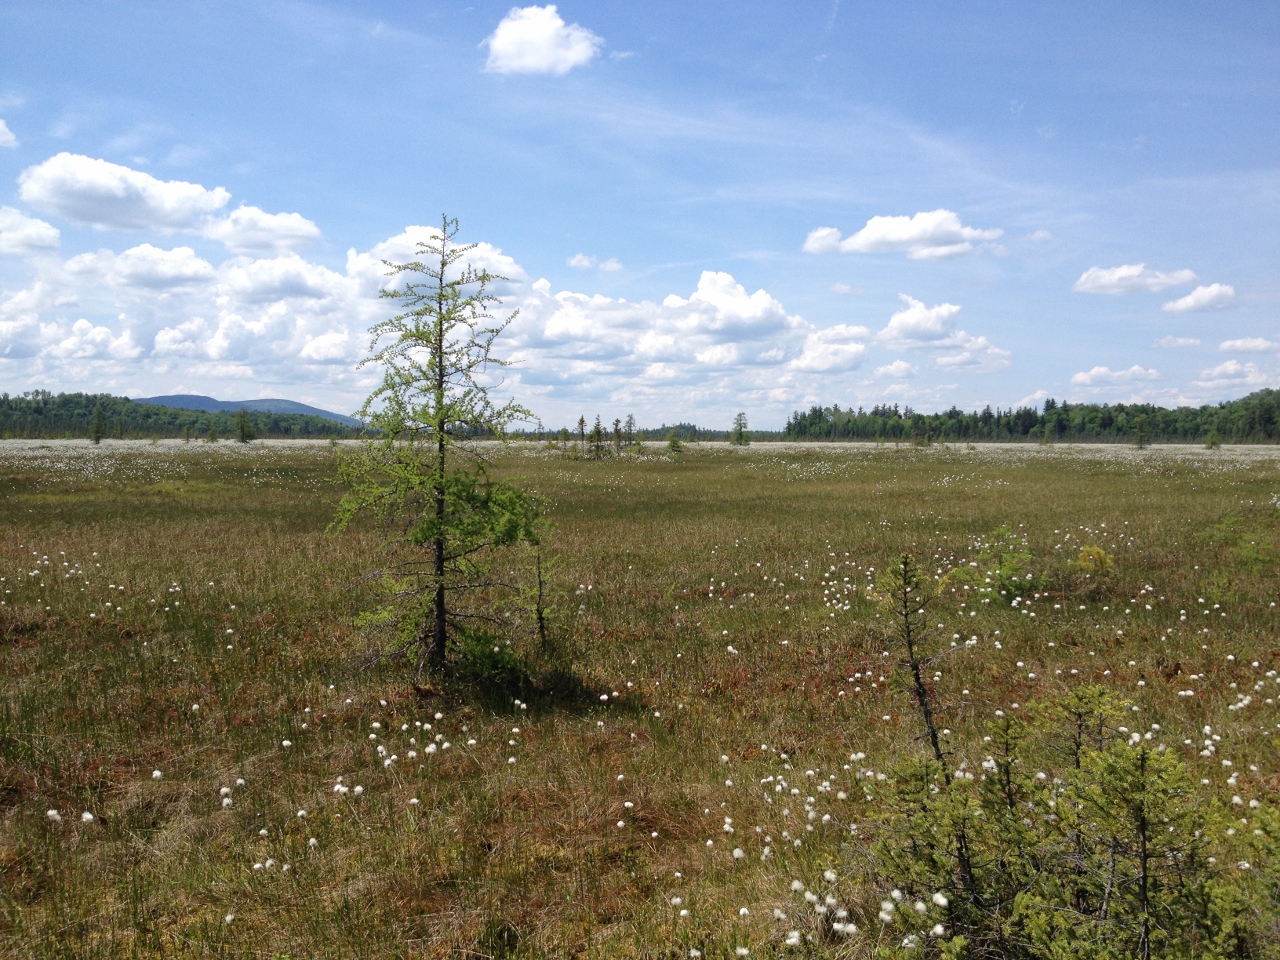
(700, 208)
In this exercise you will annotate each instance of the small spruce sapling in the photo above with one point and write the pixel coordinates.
(98, 426)
(244, 426)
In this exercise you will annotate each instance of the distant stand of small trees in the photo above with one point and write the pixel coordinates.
(1251, 419)
(41, 415)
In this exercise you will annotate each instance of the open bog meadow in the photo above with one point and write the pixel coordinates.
(719, 750)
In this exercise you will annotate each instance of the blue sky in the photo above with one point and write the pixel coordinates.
(703, 208)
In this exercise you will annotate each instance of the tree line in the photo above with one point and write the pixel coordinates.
(41, 415)
(1251, 419)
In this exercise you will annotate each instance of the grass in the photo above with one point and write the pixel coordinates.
(690, 590)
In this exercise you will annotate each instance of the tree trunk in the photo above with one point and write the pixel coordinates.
(440, 637)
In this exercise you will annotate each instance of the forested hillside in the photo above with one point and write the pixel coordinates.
(43, 415)
(1252, 419)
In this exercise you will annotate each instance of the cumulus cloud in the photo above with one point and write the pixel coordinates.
(7, 139)
(250, 230)
(1234, 375)
(612, 265)
(832, 348)
(919, 327)
(1248, 345)
(1130, 278)
(145, 266)
(536, 40)
(23, 235)
(897, 370)
(1215, 296)
(109, 196)
(581, 261)
(1178, 342)
(925, 236)
(86, 341)
(916, 325)
(1105, 375)
(194, 325)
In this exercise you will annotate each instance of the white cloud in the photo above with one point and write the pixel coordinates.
(250, 230)
(23, 235)
(295, 326)
(1033, 399)
(1248, 345)
(925, 236)
(1040, 235)
(1130, 278)
(918, 327)
(1215, 296)
(109, 196)
(1178, 342)
(87, 341)
(332, 347)
(280, 278)
(145, 266)
(7, 139)
(897, 370)
(181, 340)
(832, 348)
(584, 261)
(536, 40)
(975, 353)
(1103, 375)
(1233, 375)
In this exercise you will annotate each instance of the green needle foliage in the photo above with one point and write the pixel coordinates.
(98, 428)
(244, 427)
(423, 477)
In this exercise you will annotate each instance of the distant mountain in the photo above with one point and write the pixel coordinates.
(191, 401)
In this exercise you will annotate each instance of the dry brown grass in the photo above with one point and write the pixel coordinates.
(526, 859)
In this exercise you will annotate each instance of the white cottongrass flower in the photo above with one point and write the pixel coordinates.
(829, 876)
(738, 853)
(86, 817)
(228, 918)
(312, 842)
(54, 815)
(940, 899)
(156, 774)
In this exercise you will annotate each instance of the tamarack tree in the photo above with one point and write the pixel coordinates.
(423, 476)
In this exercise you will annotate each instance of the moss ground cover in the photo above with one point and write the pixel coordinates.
(201, 755)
